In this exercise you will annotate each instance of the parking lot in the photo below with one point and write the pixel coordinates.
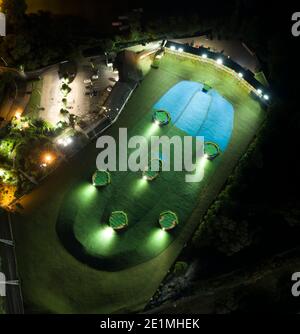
(86, 96)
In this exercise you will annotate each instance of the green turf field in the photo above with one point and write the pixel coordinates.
(53, 279)
(32, 108)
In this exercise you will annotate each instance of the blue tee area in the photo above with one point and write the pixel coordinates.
(198, 113)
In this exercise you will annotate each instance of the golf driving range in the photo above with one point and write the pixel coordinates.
(112, 232)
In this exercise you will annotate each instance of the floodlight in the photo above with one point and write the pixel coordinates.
(240, 74)
(180, 50)
(259, 91)
(219, 61)
(266, 97)
(172, 47)
(69, 140)
(204, 55)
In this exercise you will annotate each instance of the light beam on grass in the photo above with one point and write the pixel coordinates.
(103, 239)
(141, 184)
(153, 127)
(106, 233)
(86, 192)
(159, 238)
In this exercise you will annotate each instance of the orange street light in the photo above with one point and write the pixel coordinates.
(48, 158)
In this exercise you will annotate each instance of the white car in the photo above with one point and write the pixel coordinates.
(87, 81)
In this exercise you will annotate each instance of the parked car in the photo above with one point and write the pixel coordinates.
(93, 93)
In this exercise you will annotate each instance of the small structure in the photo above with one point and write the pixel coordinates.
(101, 178)
(157, 58)
(211, 150)
(206, 88)
(118, 220)
(168, 220)
(161, 117)
(151, 174)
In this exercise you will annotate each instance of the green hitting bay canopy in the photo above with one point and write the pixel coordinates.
(101, 178)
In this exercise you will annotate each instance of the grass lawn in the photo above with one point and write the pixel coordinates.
(32, 108)
(53, 280)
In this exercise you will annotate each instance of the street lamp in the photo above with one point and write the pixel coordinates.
(47, 159)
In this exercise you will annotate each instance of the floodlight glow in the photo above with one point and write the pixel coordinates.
(47, 159)
(152, 128)
(145, 177)
(259, 91)
(86, 192)
(69, 140)
(219, 61)
(140, 185)
(65, 141)
(266, 97)
(180, 50)
(172, 47)
(103, 238)
(107, 232)
(205, 156)
(159, 237)
(241, 74)
(204, 55)
(156, 122)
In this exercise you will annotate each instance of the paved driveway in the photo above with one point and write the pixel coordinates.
(79, 101)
